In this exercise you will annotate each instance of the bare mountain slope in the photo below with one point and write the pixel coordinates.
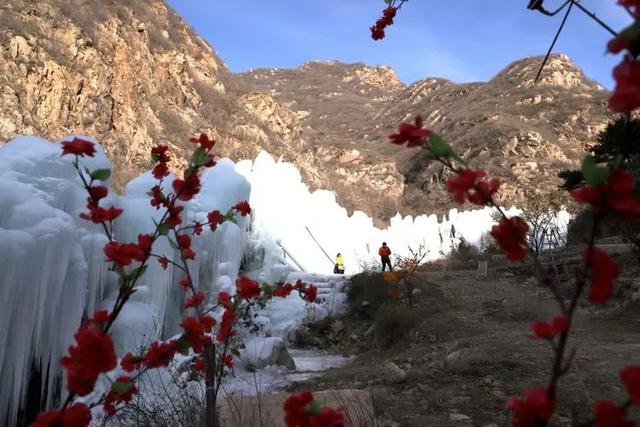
(132, 73)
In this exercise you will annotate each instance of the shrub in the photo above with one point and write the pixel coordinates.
(394, 324)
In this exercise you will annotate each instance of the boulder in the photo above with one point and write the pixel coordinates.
(262, 352)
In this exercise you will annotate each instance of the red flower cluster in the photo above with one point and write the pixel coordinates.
(130, 362)
(607, 414)
(283, 291)
(123, 254)
(94, 354)
(76, 415)
(470, 184)
(195, 331)
(414, 134)
(243, 208)
(547, 331)
(122, 391)
(215, 218)
(533, 410)
(604, 271)
(195, 300)
(228, 360)
(164, 262)
(377, 31)
(226, 326)
(310, 293)
(184, 243)
(204, 141)
(98, 192)
(616, 193)
(247, 288)
(160, 354)
(511, 235)
(161, 158)
(224, 300)
(78, 147)
(301, 411)
(98, 215)
(187, 188)
(157, 197)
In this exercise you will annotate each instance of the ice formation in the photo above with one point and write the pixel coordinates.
(53, 271)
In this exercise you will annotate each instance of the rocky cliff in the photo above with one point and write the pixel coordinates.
(132, 74)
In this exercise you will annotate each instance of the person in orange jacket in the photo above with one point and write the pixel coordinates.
(384, 253)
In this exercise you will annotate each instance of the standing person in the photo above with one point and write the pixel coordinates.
(384, 253)
(339, 267)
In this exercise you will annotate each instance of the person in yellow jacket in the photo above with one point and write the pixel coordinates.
(339, 267)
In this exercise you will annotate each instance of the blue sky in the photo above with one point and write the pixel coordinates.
(463, 40)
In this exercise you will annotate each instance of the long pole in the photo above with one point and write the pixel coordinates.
(323, 251)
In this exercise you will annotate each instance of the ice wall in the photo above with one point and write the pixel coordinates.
(53, 270)
(290, 214)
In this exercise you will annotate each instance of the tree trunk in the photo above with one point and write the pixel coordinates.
(211, 413)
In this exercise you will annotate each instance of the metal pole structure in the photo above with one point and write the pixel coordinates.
(292, 258)
(323, 251)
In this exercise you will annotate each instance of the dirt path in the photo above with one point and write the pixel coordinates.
(471, 351)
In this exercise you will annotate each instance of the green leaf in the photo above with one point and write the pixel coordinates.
(100, 174)
(163, 229)
(183, 345)
(199, 157)
(440, 147)
(387, 1)
(314, 408)
(121, 387)
(594, 175)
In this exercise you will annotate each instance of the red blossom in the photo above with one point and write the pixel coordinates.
(185, 190)
(114, 396)
(195, 300)
(414, 134)
(207, 322)
(310, 293)
(159, 154)
(224, 300)
(617, 194)
(98, 192)
(511, 235)
(145, 241)
(160, 170)
(214, 218)
(604, 271)
(200, 365)
(533, 410)
(299, 284)
(174, 218)
(295, 409)
(470, 184)
(228, 361)
(194, 333)
(548, 331)
(247, 288)
(160, 354)
(157, 198)
(78, 147)
(626, 94)
(130, 362)
(283, 291)
(122, 253)
(99, 215)
(197, 229)
(607, 414)
(185, 283)
(164, 262)
(76, 415)
(92, 355)
(630, 377)
(243, 208)
(226, 324)
(204, 141)
(101, 317)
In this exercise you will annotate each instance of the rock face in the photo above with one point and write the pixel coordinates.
(131, 73)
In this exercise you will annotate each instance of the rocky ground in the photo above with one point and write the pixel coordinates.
(467, 350)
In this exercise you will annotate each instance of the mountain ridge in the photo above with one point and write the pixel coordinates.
(134, 73)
